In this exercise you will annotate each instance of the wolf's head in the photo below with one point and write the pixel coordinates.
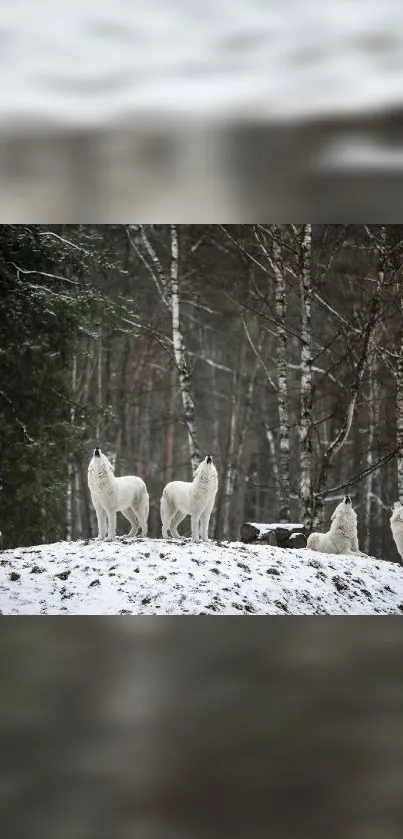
(345, 506)
(206, 470)
(100, 460)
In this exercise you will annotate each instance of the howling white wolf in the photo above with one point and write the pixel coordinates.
(110, 495)
(342, 537)
(396, 526)
(195, 498)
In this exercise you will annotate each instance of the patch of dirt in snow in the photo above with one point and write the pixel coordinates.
(154, 576)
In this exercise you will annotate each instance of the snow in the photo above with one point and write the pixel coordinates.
(88, 62)
(154, 576)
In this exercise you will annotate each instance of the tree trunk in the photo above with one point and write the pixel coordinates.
(273, 455)
(305, 424)
(399, 417)
(70, 468)
(169, 291)
(232, 459)
(89, 513)
(98, 429)
(243, 434)
(179, 352)
(282, 388)
(78, 529)
(170, 428)
(372, 418)
(145, 429)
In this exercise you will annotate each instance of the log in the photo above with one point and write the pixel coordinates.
(280, 534)
(297, 540)
(257, 533)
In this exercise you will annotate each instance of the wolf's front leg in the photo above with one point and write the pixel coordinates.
(195, 527)
(101, 520)
(354, 545)
(204, 523)
(111, 525)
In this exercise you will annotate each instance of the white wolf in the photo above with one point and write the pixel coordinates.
(190, 498)
(110, 495)
(396, 526)
(342, 537)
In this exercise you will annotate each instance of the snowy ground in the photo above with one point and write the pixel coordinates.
(153, 576)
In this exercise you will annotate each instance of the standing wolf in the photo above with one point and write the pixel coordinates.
(396, 526)
(190, 498)
(342, 537)
(110, 495)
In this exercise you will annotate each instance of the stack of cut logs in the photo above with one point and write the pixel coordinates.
(282, 535)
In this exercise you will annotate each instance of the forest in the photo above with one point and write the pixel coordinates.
(278, 349)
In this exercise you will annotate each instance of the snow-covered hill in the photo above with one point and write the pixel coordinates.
(153, 576)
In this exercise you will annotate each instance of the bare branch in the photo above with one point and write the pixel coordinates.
(43, 274)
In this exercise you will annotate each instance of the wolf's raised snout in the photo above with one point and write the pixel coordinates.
(209, 458)
(347, 499)
(97, 452)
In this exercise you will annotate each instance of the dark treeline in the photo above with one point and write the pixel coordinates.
(277, 348)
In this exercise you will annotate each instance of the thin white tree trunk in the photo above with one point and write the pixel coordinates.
(282, 388)
(232, 457)
(273, 455)
(77, 505)
(371, 480)
(170, 427)
(179, 352)
(399, 417)
(70, 468)
(230, 469)
(99, 386)
(169, 290)
(305, 424)
(215, 436)
(368, 482)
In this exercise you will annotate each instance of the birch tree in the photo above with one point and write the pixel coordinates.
(180, 353)
(233, 454)
(399, 409)
(168, 285)
(282, 385)
(372, 419)
(71, 483)
(305, 423)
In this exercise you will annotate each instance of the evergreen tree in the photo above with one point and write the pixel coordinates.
(45, 305)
